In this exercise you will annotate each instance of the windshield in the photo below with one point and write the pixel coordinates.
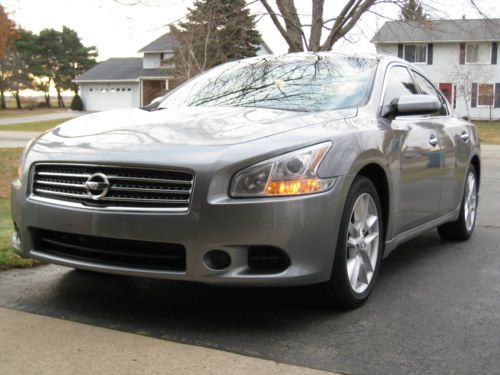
(312, 82)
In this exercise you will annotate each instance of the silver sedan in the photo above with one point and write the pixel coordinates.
(271, 171)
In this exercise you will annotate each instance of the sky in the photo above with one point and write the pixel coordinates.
(120, 30)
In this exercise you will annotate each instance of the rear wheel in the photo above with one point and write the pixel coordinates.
(462, 228)
(359, 247)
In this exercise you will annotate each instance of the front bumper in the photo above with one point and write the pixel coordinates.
(304, 227)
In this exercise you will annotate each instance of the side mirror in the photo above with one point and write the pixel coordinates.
(157, 100)
(413, 105)
(153, 106)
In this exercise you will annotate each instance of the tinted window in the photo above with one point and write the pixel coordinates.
(427, 88)
(313, 82)
(399, 83)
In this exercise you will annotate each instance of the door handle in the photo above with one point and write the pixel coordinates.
(464, 136)
(433, 140)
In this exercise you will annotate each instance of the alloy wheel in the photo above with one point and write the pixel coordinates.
(362, 243)
(470, 201)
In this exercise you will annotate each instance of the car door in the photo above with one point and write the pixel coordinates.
(453, 134)
(417, 154)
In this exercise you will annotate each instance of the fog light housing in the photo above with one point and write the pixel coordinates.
(217, 260)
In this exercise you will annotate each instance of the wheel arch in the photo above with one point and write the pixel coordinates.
(476, 162)
(377, 175)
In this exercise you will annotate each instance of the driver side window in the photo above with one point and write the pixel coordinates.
(399, 83)
(428, 88)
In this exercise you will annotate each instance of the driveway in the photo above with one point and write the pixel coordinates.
(436, 307)
(12, 139)
(37, 118)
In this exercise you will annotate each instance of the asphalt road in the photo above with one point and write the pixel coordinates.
(436, 307)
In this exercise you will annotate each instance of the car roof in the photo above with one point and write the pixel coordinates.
(370, 56)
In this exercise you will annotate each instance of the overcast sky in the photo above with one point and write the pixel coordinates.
(120, 30)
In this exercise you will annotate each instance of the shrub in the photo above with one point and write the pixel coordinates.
(76, 103)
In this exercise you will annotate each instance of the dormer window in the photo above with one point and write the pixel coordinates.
(167, 59)
(415, 53)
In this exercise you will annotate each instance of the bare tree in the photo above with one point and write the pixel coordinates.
(463, 76)
(323, 31)
(287, 21)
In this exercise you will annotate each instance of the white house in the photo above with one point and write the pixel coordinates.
(459, 56)
(133, 81)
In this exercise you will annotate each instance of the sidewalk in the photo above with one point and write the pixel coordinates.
(44, 117)
(35, 344)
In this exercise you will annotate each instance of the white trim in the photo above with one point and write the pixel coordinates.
(156, 78)
(104, 80)
(123, 80)
(437, 41)
(492, 105)
(146, 52)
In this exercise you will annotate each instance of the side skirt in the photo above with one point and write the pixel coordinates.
(414, 232)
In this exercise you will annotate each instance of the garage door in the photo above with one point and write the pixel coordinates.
(104, 98)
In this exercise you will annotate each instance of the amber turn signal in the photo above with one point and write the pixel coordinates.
(292, 187)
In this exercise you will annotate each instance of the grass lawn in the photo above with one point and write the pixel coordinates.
(39, 126)
(489, 132)
(9, 158)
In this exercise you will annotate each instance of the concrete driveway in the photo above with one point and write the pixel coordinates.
(13, 139)
(43, 117)
(436, 307)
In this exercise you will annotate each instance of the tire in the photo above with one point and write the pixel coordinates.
(358, 254)
(463, 227)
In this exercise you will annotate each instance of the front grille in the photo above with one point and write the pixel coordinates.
(111, 251)
(267, 259)
(126, 187)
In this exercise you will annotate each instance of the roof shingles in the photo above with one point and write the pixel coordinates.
(122, 69)
(166, 42)
(435, 31)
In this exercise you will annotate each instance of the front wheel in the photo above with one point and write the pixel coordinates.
(359, 247)
(462, 228)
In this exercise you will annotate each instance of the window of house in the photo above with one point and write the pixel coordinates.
(486, 94)
(477, 53)
(416, 53)
(166, 59)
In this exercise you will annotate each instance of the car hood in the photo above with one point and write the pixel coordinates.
(187, 126)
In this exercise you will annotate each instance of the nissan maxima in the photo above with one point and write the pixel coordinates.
(282, 170)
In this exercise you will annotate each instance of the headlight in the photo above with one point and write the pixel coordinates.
(289, 174)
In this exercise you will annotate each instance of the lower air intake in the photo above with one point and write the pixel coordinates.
(267, 259)
(110, 251)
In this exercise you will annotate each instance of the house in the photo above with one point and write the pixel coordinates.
(132, 82)
(459, 56)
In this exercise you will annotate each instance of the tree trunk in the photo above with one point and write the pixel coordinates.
(18, 100)
(60, 101)
(47, 99)
(2, 100)
(292, 24)
(317, 25)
